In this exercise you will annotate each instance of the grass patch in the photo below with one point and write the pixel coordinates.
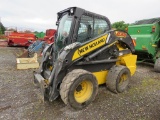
(146, 84)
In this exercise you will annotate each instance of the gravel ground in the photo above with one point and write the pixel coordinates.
(19, 99)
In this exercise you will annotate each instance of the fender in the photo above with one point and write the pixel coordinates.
(123, 37)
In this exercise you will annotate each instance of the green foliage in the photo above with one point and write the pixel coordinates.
(2, 28)
(121, 25)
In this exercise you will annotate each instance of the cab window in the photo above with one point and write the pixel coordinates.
(100, 27)
(85, 31)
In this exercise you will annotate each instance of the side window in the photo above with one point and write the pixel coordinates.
(100, 27)
(82, 28)
(85, 31)
(66, 27)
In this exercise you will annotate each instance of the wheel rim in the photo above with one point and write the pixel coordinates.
(123, 82)
(83, 91)
(123, 78)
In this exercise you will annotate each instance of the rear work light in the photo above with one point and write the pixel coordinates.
(153, 29)
(134, 41)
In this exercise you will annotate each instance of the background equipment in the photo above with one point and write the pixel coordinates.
(147, 36)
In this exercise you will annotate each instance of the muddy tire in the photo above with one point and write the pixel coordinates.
(118, 79)
(78, 89)
(157, 65)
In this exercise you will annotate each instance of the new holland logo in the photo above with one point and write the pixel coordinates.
(90, 46)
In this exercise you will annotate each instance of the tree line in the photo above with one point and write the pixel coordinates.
(121, 25)
(2, 28)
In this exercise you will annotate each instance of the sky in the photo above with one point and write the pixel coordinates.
(39, 15)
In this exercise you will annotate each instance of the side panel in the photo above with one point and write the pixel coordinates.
(101, 76)
(89, 47)
(129, 61)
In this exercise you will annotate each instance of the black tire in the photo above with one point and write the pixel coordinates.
(157, 65)
(72, 85)
(114, 81)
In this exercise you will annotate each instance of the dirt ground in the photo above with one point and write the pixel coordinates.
(19, 98)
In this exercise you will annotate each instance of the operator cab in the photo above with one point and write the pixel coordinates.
(78, 25)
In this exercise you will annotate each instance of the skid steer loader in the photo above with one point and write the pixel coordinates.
(85, 54)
